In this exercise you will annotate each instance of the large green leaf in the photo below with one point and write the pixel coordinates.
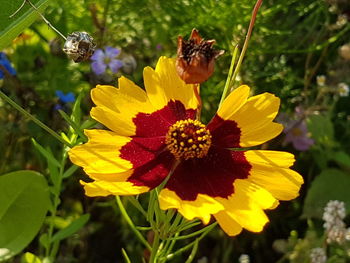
(331, 184)
(24, 202)
(10, 28)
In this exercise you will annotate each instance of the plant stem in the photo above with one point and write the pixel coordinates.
(196, 93)
(31, 117)
(155, 246)
(131, 224)
(229, 77)
(247, 38)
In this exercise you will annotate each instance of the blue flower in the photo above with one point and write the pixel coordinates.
(65, 98)
(6, 64)
(103, 59)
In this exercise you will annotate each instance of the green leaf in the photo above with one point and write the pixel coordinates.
(72, 124)
(24, 202)
(30, 258)
(71, 228)
(10, 28)
(70, 171)
(321, 129)
(341, 158)
(48, 155)
(331, 184)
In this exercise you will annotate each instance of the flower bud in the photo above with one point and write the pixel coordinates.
(195, 58)
(79, 46)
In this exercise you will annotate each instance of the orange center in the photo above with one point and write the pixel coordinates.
(188, 139)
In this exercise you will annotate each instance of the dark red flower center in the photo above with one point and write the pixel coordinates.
(188, 139)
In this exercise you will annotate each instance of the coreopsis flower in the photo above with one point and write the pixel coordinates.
(106, 59)
(6, 64)
(154, 135)
(196, 58)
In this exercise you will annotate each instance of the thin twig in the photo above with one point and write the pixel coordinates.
(41, 15)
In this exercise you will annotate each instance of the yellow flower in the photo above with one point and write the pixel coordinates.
(154, 133)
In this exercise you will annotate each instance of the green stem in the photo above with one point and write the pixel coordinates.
(125, 255)
(31, 117)
(170, 256)
(155, 246)
(207, 228)
(131, 224)
(246, 41)
(50, 252)
(229, 77)
(193, 252)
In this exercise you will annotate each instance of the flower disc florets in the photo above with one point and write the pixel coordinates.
(188, 139)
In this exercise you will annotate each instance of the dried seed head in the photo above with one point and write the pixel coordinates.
(79, 46)
(195, 58)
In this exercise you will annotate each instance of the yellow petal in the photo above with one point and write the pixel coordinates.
(255, 118)
(201, 208)
(233, 102)
(228, 224)
(100, 155)
(246, 204)
(116, 107)
(270, 171)
(163, 84)
(103, 188)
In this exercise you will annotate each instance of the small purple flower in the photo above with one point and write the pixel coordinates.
(103, 59)
(159, 47)
(65, 98)
(4, 62)
(297, 134)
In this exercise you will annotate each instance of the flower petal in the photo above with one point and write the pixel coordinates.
(98, 67)
(105, 188)
(112, 52)
(270, 170)
(100, 155)
(201, 208)
(116, 107)
(212, 175)
(228, 224)
(254, 118)
(115, 65)
(234, 101)
(245, 207)
(150, 161)
(98, 56)
(163, 84)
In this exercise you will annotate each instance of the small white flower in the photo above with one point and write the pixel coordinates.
(321, 80)
(342, 20)
(336, 234)
(244, 258)
(343, 89)
(318, 255)
(334, 211)
(203, 260)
